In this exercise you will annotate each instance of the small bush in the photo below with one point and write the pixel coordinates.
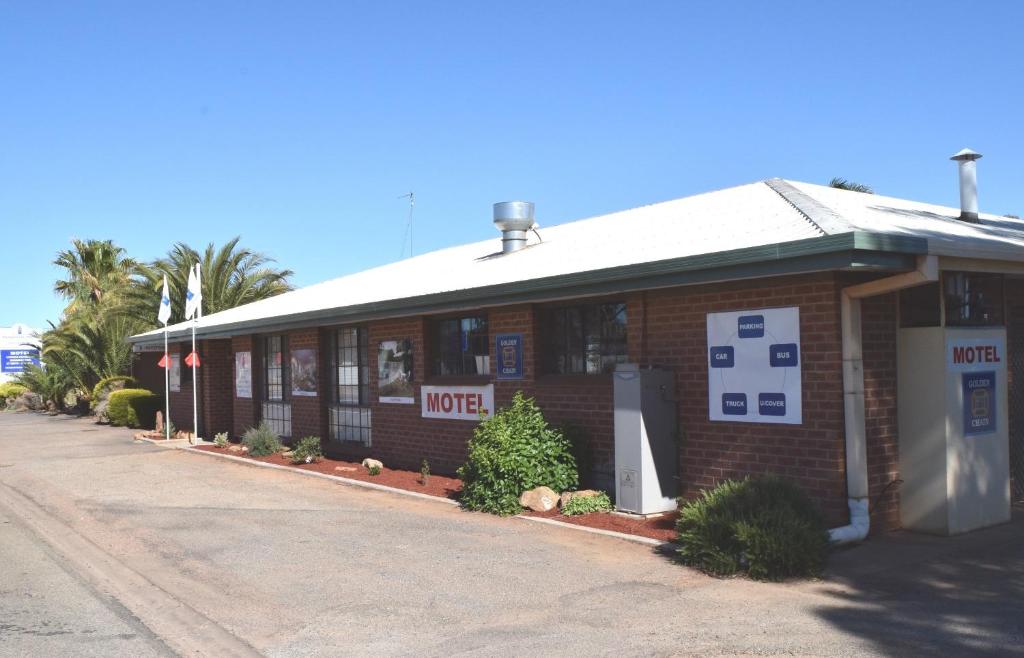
(221, 440)
(765, 526)
(425, 472)
(511, 452)
(261, 441)
(133, 407)
(374, 470)
(307, 451)
(587, 504)
(11, 390)
(104, 386)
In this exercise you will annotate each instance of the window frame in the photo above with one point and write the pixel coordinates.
(972, 300)
(362, 367)
(284, 368)
(439, 356)
(559, 353)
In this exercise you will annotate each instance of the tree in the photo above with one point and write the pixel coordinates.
(231, 276)
(94, 269)
(843, 184)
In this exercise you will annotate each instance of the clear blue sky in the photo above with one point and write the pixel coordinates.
(298, 124)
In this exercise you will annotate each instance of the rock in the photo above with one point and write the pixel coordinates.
(159, 429)
(346, 469)
(541, 499)
(287, 453)
(27, 401)
(245, 449)
(569, 495)
(370, 463)
(101, 411)
(234, 447)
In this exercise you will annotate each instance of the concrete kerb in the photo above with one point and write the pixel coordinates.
(646, 541)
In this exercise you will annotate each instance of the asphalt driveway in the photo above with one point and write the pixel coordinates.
(161, 550)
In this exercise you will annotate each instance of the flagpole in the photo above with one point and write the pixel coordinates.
(167, 390)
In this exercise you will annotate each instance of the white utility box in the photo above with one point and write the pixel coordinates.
(646, 452)
(954, 443)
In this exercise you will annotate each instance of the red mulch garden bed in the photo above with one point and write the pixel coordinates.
(661, 528)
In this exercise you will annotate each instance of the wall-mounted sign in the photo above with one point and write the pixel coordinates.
(970, 354)
(457, 402)
(394, 370)
(303, 372)
(243, 374)
(509, 349)
(175, 373)
(18, 360)
(754, 366)
(979, 402)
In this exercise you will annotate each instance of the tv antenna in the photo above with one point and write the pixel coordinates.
(408, 225)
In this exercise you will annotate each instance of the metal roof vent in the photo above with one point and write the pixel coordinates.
(513, 219)
(967, 160)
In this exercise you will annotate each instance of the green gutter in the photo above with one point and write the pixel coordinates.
(853, 250)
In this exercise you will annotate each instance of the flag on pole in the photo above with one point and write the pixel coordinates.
(165, 305)
(192, 360)
(194, 295)
(164, 362)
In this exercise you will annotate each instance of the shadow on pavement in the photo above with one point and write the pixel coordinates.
(911, 594)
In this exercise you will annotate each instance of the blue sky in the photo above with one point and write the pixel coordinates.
(297, 125)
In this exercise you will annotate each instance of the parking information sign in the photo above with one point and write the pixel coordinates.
(14, 361)
(754, 366)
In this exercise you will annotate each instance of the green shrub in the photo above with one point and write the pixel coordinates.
(424, 472)
(261, 441)
(511, 452)
(374, 470)
(765, 526)
(221, 440)
(587, 504)
(133, 407)
(11, 390)
(307, 451)
(104, 385)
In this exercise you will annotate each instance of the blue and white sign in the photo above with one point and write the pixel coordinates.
(754, 366)
(14, 361)
(509, 350)
(979, 402)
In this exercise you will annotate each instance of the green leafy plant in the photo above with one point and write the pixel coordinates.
(425, 472)
(261, 441)
(587, 504)
(105, 385)
(374, 470)
(307, 451)
(11, 390)
(133, 407)
(221, 440)
(511, 452)
(765, 526)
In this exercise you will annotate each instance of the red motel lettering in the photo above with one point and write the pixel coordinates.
(975, 354)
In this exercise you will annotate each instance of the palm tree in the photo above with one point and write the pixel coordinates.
(94, 270)
(231, 276)
(843, 184)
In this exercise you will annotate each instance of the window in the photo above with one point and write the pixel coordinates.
(274, 368)
(461, 346)
(350, 415)
(588, 339)
(973, 299)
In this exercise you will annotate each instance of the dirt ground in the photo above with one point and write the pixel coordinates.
(164, 550)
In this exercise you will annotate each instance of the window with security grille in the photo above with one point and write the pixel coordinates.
(461, 346)
(274, 370)
(973, 299)
(584, 340)
(349, 415)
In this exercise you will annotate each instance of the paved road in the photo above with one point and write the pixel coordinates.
(129, 548)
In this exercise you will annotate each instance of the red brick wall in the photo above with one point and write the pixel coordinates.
(181, 401)
(244, 410)
(811, 454)
(216, 391)
(1015, 381)
(306, 411)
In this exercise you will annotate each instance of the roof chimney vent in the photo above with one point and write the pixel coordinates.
(513, 219)
(967, 159)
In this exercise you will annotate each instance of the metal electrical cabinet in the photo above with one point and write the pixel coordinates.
(954, 441)
(646, 453)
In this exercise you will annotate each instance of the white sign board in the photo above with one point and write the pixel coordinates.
(754, 366)
(175, 373)
(976, 354)
(243, 374)
(457, 402)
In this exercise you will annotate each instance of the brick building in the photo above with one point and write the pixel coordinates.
(382, 362)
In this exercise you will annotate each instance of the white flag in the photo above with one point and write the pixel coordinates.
(194, 295)
(165, 304)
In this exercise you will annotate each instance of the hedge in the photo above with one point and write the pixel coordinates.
(133, 407)
(11, 390)
(105, 383)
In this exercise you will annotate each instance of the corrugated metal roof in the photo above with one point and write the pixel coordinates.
(753, 215)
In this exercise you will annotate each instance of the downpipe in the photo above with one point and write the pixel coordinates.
(927, 271)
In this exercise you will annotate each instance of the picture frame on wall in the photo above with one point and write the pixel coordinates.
(395, 372)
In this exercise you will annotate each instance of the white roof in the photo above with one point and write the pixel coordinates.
(758, 214)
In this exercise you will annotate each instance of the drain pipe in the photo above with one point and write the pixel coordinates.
(927, 271)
